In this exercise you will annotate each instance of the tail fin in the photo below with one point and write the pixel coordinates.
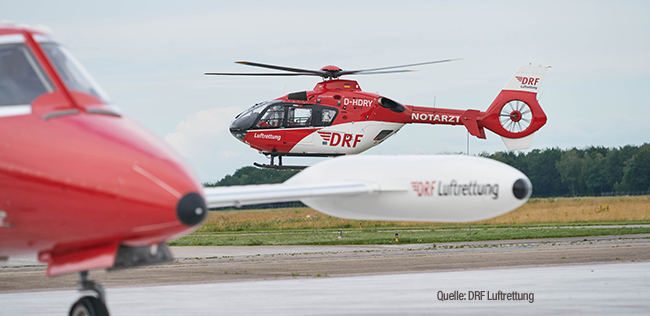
(515, 113)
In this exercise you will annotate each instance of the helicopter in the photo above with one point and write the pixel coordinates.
(337, 118)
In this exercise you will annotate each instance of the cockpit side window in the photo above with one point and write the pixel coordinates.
(272, 118)
(21, 78)
(299, 117)
(327, 116)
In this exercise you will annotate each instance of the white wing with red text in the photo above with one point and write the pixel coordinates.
(440, 188)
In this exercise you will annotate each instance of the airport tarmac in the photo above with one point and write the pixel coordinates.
(595, 275)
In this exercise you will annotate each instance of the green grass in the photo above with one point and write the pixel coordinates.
(407, 235)
(538, 218)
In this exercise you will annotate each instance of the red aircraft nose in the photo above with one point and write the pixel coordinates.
(84, 179)
(156, 195)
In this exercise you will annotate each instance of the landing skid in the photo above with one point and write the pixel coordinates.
(279, 167)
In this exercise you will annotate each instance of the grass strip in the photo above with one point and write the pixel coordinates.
(406, 236)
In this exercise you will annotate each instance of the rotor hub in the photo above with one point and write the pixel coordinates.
(515, 116)
(331, 68)
(331, 72)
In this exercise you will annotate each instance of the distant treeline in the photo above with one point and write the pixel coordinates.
(253, 175)
(593, 171)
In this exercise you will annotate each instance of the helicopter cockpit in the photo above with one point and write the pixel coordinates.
(278, 114)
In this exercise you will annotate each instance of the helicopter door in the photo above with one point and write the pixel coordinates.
(299, 116)
(299, 124)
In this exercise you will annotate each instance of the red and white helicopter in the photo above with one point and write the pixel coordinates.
(338, 118)
(83, 187)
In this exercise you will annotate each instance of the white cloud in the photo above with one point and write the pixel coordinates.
(203, 133)
(204, 139)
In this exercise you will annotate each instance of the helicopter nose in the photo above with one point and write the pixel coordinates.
(238, 133)
(191, 209)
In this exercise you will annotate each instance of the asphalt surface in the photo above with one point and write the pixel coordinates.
(593, 275)
(232, 264)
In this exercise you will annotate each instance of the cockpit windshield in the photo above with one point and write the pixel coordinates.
(246, 119)
(73, 74)
(255, 109)
(21, 78)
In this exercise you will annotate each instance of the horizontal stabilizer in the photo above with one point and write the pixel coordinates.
(469, 119)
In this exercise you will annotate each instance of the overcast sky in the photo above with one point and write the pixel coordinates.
(150, 57)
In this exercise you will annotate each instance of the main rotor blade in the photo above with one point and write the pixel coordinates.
(258, 74)
(378, 72)
(315, 72)
(350, 72)
(321, 73)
